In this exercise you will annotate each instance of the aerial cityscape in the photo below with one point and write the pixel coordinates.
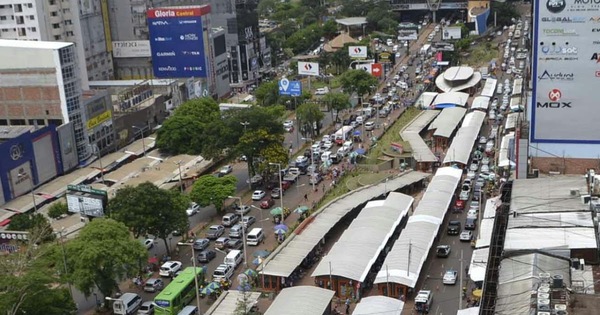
(299, 157)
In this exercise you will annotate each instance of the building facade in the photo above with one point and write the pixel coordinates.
(76, 21)
(99, 110)
(40, 85)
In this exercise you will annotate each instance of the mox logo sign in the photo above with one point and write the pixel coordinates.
(554, 97)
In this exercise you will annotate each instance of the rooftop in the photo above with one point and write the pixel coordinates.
(9, 132)
(458, 73)
(301, 300)
(352, 21)
(548, 194)
(30, 44)
(381, 305)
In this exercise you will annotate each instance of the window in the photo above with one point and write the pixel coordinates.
(17, 122)
(55, 122)
(55, 25)
(53, 13)
(18, 8)
(3, 18)
(30, 5)
(56, 37)
(32, 17)
(33, 29)
(3, 122)
(20, 20)
(22, 31)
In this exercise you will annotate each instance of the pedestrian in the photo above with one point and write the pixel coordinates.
(305, 197)
(323, 188)
(348, 306)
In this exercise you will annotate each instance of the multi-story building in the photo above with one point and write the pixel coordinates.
(40, 84)
(79, 22)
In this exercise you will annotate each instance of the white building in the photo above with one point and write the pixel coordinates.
(40, 84)
(76, 21)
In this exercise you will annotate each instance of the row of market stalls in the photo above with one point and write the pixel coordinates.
(489, 88)
(444, 126)
(401, 268)
(303, 247)
(420, 151)
(462, 144)
(349, 264)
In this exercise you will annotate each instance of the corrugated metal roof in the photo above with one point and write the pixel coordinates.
(511, 121)
(456, 98)
(517, 87)
(462, 144)
(548, 194)
(447, 121)
(489, 88)
(406, 258)
(355, 252)
(289, 256)
(484, 237)
(478, 265)
(549, 238)
(380, 305)
(301, 300)
(481, 102)
(553, 219)
(411, 134)
(519, 277)
(228, 302)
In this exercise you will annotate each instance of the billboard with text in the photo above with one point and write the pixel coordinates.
(566, 71)
(177, 41)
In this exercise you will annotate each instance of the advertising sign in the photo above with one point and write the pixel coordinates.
(86, 201)
(451, 32)
(308, 68)
(565, 70)
(408, 34)
(177, 41)
(290, 88)
(131, 49)
(376, 69)
(357, 51)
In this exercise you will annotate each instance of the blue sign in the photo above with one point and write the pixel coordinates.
(290, 88)
(177, 43)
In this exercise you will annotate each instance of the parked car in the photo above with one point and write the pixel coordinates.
(215, 231)
(248, 221)
(258, 195)
(147, 308)
(450, 277)
(201, 244)
(242, 209)
(206, 256)
(221, 242)
(148, 243)
(234, 244)
(226, 169)
(169, 268)
(442, 251)
(275, 193)
(453, 227)
(154, 285)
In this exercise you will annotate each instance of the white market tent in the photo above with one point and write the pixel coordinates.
(517, 87)
(425, 100)
(480, 103)
(380, 305)
(447, 121)
(550, 238)
(355, 252)
(405, 260)
(489, 89)
(411, 134)
(484, 237)
(301, 300)
(451, 98)
(289, 256)
(511, 121)
(229, 301)
(462, 144)
(478, 265)
(506, 154)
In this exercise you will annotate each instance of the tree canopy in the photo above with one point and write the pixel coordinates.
(338, 102)
(310, 115)
(505, 13)
(209, 189)
(357, 81)
(102, 255)
(147, 209)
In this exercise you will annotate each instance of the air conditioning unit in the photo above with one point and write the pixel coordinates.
(544, 277)
(543, 313)
(574, 192)
(543, 305)
(543, 296)
(560, 307)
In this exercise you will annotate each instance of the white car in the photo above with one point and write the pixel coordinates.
(471, 175)
(148, 243)
(327, 145)
(482, 140)
(226, 169)
(258, 195)
(485, 168)
(464, 195)
(485, 161)
(192, 209)
(450, 277)
(322, 91)
(472, 213)
(466, 236)
(169, 268)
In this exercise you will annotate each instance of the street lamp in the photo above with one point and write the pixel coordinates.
(22, 175)
(312, 162)
(245, 124)
(64, 254)
(143, 142)
(243, 229)
(97, 152)
(178, 163)
(280, 185)
(195, 271)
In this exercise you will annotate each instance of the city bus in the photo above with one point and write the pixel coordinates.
(179, 293)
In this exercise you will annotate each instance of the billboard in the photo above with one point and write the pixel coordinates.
(177, 41)
(566, 62)
(290, 88)
(131, 49)
(408, 34)
(308, 68)
(357, 51)
(451, 32)
(86, 201)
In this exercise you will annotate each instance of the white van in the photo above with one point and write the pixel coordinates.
(189, 310)
(255, 237)
(326, 156)
(223, 271)
(233, 258)
(127, 304)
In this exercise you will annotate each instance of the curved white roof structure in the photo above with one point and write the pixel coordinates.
(481, 103)
(458, 73)
(301, 300)
(380, 305)
(458, 85)
(411, 133)
(462, 144)
(450, 98)
(447, 121)
(355, 252)
(404, 262)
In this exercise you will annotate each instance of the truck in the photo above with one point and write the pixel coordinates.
(425, 49)
(291, 177)
(343, 134)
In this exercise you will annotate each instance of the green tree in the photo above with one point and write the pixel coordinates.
(265, 7)
(310, 115)
(28, 285)
(102, 255)
(379, 13)
(338, 102)
(267, 93)
(194, 128)
(254, 142)
(358, 81)
(147, 209)
(29, 222)
(505, 13)
(356, 7)
(58, 209)
(209, 189)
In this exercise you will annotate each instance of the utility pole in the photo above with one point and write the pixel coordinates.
(409, 252)
(460, 292)
(245, 124)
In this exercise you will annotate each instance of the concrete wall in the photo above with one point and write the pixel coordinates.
(150, 117)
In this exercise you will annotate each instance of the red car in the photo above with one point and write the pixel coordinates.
(285, 185)
(459, 205)
(267, 203)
